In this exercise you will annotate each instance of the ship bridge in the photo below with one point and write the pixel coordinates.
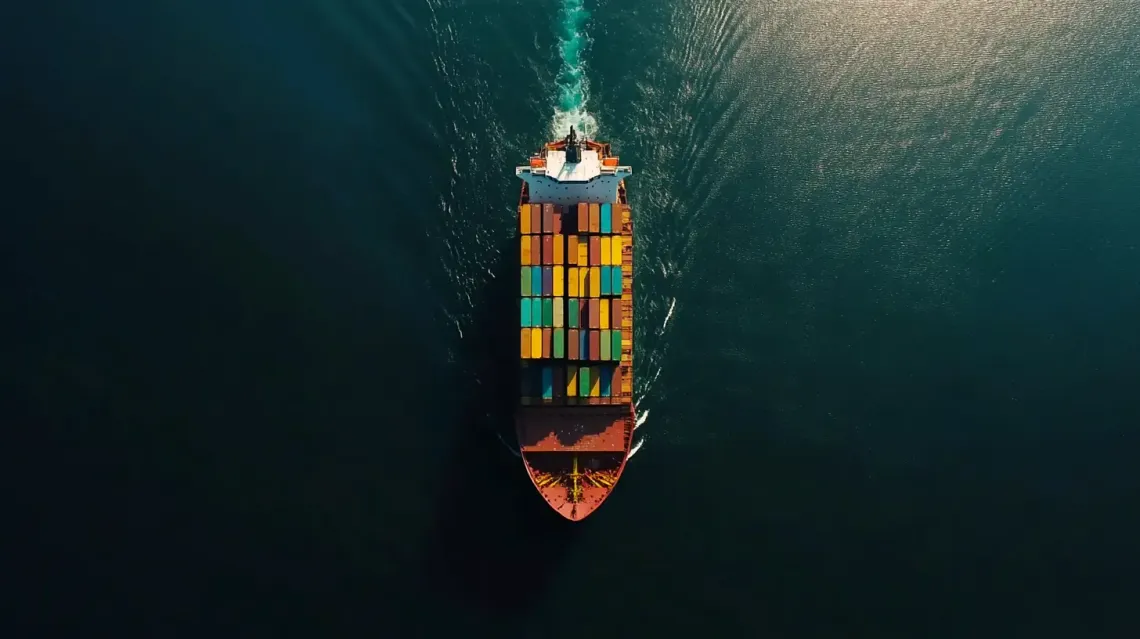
(573, 171)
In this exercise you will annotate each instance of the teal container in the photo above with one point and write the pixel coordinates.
(584, 381)
(524, 307)
(607, 279)
(607, 218)
(584, 345)
(604, 388)
(535, 311)
(572, 321)
(547, 312)
(615, 285)
(547, 382)
(536, 281)
(615, 348)
(526, 285)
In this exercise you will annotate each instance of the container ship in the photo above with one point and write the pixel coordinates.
(575, 417)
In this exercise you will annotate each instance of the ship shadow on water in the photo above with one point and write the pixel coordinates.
(496, 543)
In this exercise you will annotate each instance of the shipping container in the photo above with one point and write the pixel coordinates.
(604, 314)
(546, 339)
(559, 343)
(595, 346)
(615, 348)
(572, 313)
(606, 375)
(535, 311)
(559, 247)
(615, 250)
(547, 218)
(606, 252)
(536, 218)
(616, 283)
(606, 280)
(604, 343)
(572, 281)
(556, 220)
(594, 313)
(547, 312)
(571, 380)
(615, 385)
(572, 250)
(583, 381)
(572, 343)
(559, 384)
(526, 285)
(595, 250)
(595, 221)
(524, 219)
(583, 344)
(604, 223)
(524, 250)
(584, 250)
(547, 381)
(595, 382)
(535, 343)
(536, 280)
(559, 312)
(547, 250)
(615, 313)
(525, 343)
(559, 281)
(524, 312)
(595, 281)
(583, 217)
(535, 249)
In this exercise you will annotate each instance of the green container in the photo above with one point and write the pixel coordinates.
(604, 346)
(559, 343)
(572, 321)
(547, 312)
(584, 381)
(525, 281)
(535, 311)
(615, 349)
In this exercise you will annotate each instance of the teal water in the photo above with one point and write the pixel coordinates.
(888, 291)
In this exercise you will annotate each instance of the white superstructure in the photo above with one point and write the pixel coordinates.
(574, 175)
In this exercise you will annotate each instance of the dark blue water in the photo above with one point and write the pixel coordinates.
(888, 299)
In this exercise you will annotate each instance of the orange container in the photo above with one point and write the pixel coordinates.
(524, 246)
(615, 312)
(610, 161)
(535, 218)
(595, 250)
(583, 217)
(595, 217)
(537, 163)
(546, 336)
(526, 342)
(547, 217)
(524, 218)
(535, 249)
(571, 343)
(595, 349)
(556, 226)
(595, 313)
(615, 385)
(572, 249)
(559, 242)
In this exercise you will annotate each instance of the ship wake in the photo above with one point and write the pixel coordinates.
(573, 88)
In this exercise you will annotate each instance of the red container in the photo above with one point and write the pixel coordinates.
(595, 313)
(572, 343)
(583, 217)
(615, 384)
(546, 334)
(536, 249)
(536, 218)
(556, 222)
(615, 313)
(595, 250)
(547, 249)
(595, 345)
(547, 217)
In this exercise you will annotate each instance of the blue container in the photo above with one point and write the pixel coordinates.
(524, 307)
(606, 219)
(615, 285)
(607, 373)
(547, 382)
(607, 279)
(583, 345)
(536, 280)
(547, 280)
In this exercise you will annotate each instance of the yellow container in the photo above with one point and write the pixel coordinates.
(524, 218)
(524, 244)
(583, 280)
(583, 252)
(526, 343)
(615, 250)
(595, 378)
(559, 242)
(606, 251)
(558, 279)
(595, 281)
(604, 314)
(559, 314)
(571, 249)
(572, 281)
(571, 380)
(536, 343)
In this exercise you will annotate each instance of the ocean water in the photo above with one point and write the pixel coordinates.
(887, 325)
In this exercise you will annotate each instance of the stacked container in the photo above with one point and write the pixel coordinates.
(571, 285)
